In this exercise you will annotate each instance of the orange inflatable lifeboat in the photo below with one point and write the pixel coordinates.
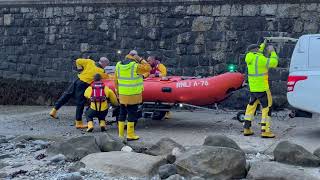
(189, 90)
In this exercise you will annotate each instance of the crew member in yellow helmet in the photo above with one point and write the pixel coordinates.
(129, 85)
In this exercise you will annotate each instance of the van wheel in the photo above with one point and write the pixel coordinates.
(240, 116)
(292, 114)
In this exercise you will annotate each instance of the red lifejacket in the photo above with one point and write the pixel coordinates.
(98, 95)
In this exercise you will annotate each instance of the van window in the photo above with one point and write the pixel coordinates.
(302, 45)
(314, 52)
(299, 58)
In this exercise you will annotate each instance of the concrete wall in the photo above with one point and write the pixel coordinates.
(39, 40)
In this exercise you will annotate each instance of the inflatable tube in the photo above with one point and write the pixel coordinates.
(189, 90)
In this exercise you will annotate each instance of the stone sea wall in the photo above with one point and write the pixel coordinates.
(40, 40)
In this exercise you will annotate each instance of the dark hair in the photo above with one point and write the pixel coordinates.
(97, 77)
(252, 46)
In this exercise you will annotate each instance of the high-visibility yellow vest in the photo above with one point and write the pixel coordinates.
(258, 66)
(129, 82)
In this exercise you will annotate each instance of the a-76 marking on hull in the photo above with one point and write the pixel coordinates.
(188, 84)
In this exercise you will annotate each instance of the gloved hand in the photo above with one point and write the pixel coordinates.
(265, 41)
(262, 47)
(270, 48)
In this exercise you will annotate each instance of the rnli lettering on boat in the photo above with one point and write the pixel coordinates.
(187, 84)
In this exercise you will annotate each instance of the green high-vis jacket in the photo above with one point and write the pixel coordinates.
(258, 66)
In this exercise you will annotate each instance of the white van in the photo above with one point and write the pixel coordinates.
(304, 74)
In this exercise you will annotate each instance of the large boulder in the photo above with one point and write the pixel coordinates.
(212, 163)
(119, 163)
(287, 152)
(75, 148)
(276, 171)
(221, 141)
(108, 143)
(164, 147)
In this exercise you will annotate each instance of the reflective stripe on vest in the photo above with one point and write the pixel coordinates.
(131, 85)
(129, 82)
(268, 63)
(126, 78)
(257, 68)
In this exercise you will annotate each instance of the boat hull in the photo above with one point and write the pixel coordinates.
(189, 90)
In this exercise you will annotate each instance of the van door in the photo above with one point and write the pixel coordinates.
(314, 53)
(304, 83)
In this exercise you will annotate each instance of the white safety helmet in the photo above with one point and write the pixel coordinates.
(133, 52)
(104, 59)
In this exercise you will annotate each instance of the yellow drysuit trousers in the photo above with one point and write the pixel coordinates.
(265, 100)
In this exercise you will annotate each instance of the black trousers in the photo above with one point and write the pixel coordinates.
(129, 110)
(261, 96)
(76, 90)
(101, 115)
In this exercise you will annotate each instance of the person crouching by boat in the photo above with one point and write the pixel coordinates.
(157, 68)
(87, 69)
(99, 95)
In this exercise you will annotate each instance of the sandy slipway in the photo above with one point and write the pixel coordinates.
(185, 127)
